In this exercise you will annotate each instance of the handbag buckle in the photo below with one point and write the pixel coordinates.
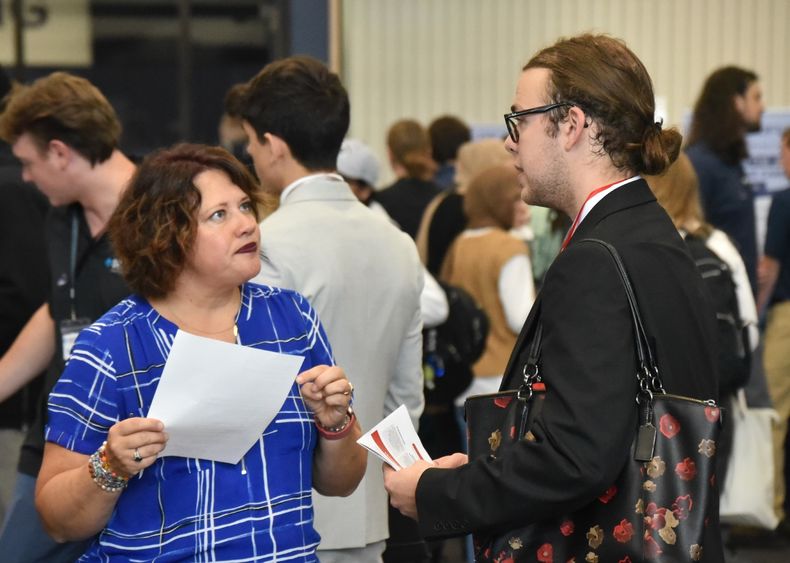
(531, 375)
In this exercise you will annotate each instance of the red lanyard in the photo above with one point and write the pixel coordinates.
(576, 221)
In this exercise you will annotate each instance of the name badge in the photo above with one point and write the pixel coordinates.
(69, 330)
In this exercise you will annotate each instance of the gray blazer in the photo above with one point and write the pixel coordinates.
(363, 277)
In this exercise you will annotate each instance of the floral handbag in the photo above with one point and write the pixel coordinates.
(663, 507)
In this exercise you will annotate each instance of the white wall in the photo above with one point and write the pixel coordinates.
(424, 58)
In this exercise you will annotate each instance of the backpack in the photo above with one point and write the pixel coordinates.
(450, 349)
(734, 353)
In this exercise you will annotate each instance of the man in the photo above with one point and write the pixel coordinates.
(360, 169)
(775, 296)
(360, 273)
(729, 106)
(65, 134)
(23, 288)
(581, 131)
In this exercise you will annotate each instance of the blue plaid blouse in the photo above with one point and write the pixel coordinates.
(183, 509)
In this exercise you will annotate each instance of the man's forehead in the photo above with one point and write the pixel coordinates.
(26, 147)
(531, 88)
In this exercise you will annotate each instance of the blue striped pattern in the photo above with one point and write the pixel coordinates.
(183, 509)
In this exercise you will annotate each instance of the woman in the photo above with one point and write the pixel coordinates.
(187, 237)
(494, 267)
(677, 190)
(444, 218)
(409, 151)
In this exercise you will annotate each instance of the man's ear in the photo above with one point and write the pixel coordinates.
(60, 153)
(279, 148)
(574, 127)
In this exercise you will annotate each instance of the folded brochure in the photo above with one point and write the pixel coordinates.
(394, 440)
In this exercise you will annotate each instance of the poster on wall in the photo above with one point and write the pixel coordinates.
(763, 168)
(56, 33)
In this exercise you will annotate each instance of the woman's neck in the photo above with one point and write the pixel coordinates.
(209, 314)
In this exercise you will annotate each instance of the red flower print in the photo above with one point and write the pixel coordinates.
(658, 519)
(669, 426)
(712, 414)
(503, 402)
(512, 432)
(566, 528)
(682, 506)
(625, 559)
(686, 469)
(608, 494)
(545, 553)
(651, 509)
(623, 531)
(651, 548)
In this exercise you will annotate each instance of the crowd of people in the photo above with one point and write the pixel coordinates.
(283, 241)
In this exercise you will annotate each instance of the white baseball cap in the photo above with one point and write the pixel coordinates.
(357, 161)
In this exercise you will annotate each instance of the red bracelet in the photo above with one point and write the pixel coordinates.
(339, 432)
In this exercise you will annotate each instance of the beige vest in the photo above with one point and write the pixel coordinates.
(474, 263)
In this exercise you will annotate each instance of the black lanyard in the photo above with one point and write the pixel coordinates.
(73, 264)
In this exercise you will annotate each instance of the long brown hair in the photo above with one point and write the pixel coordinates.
(410, 147)
(677, 191)
(716, 120)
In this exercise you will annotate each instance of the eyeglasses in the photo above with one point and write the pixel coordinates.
(511, 118)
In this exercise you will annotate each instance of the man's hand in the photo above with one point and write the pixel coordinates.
(402, 486)
(451, 461)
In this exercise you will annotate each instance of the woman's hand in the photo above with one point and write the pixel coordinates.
(327, 393)
(133, 444)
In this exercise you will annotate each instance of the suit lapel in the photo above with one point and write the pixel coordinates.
(630, 195)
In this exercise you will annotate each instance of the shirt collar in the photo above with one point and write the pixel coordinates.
(330, 176)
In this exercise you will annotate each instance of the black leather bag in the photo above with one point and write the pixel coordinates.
(663, 507)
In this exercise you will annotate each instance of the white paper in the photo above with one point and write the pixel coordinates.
(216, 399)
(394, 440)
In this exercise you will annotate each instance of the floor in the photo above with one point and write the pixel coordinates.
(453, 553)
(780, 555)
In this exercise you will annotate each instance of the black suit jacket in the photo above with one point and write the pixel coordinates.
(588, 420)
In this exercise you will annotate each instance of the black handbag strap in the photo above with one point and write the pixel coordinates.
(648, 374)
(644, 353)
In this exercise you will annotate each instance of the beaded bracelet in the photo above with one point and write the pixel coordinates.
(102, 474)
(338, 432)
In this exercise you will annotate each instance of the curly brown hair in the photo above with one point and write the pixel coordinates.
(154, 227)
(604, 78)
(65, 107)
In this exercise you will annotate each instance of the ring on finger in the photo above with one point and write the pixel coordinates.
(137, 457)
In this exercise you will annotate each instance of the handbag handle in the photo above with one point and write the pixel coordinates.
(648, 374)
